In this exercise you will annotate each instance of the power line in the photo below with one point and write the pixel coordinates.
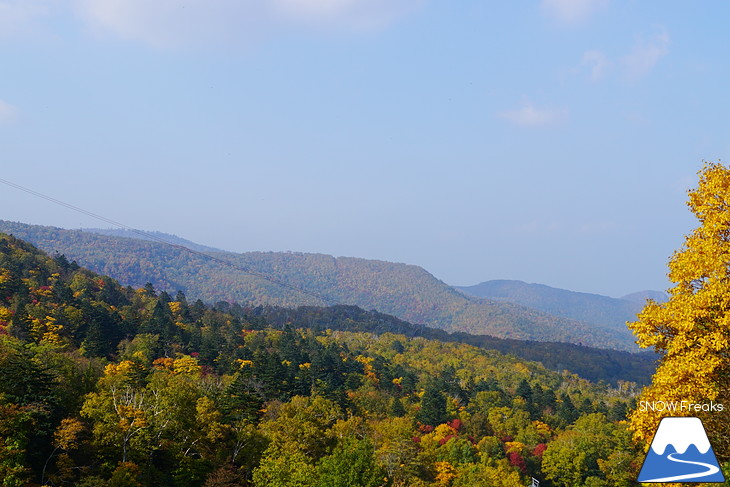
(157, 238)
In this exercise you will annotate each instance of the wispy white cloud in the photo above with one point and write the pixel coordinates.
(347, 14)
(573, 11)
(530, 116)
(18, 17)
(645, 55)
(171, 23)
(597, 63)
(637, 63)
(8, 113)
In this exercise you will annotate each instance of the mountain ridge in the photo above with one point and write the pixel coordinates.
(153, 237)
(93, 311)
(586, 307)
(83, 358)
(403, 290)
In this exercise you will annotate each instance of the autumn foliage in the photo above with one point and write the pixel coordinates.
(691, 331)
(108, 386)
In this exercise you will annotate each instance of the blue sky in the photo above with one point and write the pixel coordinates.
(550, 141)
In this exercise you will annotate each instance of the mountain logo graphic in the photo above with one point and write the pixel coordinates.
(680, 452)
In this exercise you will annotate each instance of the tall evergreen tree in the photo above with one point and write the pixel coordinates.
(433, 407)
(566, 409)
(160, 323)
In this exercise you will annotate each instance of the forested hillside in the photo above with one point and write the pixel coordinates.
(152, 237)
(108, 386)
(589, 308)
(594, 364)
(405, 291)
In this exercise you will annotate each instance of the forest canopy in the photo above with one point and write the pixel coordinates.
(111, 386)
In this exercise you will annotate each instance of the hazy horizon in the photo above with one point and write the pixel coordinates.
(550, 142)
(162, 238)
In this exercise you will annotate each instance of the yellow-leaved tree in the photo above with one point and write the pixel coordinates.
(691, 331)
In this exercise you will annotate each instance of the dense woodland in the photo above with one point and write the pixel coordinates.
(594, 364)
(406, 291)
(110, 386)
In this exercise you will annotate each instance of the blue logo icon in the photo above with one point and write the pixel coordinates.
(680, 452)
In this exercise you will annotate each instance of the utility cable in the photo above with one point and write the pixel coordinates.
(157, 238)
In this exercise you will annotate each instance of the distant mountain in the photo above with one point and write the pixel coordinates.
(641, 297)
(189, 377)
(151, 236)
(589, 308)
(294, 279)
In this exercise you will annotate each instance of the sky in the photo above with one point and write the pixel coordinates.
(550, 141)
